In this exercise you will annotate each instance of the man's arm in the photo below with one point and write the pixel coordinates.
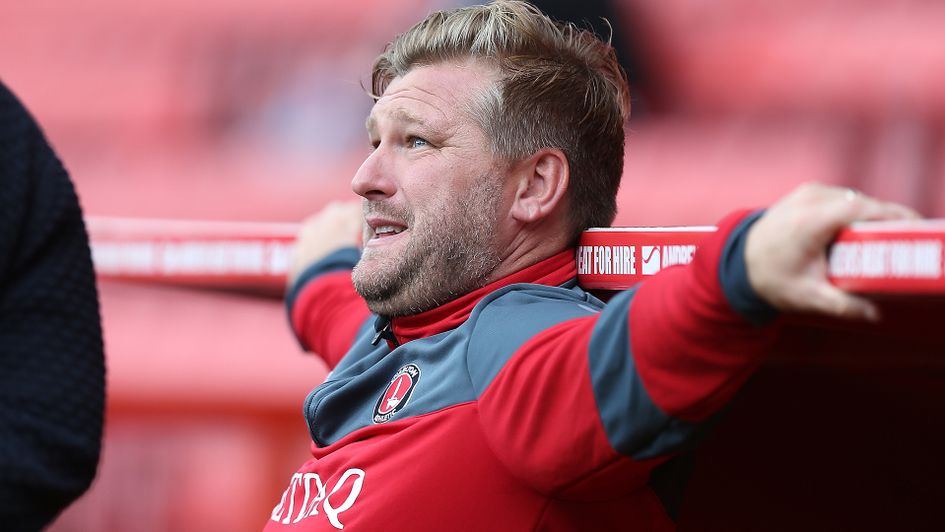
(324, 310)
(587, 408)
(52, 375)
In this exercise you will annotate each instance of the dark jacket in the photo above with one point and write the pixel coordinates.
(52, 369)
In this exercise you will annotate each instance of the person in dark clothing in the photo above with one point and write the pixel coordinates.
(52, 368)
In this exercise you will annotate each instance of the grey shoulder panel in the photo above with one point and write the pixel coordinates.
(509, 317)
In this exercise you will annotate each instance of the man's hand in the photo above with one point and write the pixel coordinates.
(336, 226)
(786, 250)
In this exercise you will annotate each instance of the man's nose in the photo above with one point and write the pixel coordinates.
(374, 179)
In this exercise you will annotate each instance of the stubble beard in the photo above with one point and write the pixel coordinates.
(449, 254)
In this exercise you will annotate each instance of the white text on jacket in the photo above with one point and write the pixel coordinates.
(315, 492)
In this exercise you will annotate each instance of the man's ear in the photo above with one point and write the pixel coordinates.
(541, 182)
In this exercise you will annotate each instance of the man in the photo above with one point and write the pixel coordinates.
(475, 386)
(52, 366)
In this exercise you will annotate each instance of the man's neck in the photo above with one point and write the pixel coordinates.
(528, 247)
(552, 271)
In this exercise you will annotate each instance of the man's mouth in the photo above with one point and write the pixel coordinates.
(387, 230)
(384, 224)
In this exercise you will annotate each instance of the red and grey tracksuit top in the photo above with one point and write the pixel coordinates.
(525, 405)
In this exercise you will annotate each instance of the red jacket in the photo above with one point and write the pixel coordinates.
(525, 405)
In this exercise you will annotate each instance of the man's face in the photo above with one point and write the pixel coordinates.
(432, 192)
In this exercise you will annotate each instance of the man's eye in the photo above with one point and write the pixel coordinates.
(416, 142)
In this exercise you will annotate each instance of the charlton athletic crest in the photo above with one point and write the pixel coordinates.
(397, 393)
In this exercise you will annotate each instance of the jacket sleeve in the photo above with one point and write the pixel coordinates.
(52, 371)
(587, 407)
(324, 309)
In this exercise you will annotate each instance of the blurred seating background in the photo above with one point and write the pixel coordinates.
(254, 111)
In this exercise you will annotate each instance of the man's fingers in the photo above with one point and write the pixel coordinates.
(785, 251)
(337, 225)
(895, 211)
(865, 208)
(830, 300)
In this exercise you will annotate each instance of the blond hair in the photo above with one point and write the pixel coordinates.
(558, 87)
